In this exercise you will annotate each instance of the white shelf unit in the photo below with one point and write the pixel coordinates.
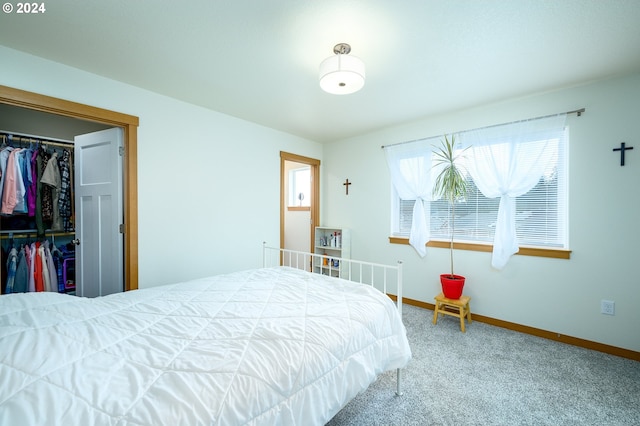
(325, 244)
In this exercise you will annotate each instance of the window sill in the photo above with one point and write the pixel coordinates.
(298, 208)
(524, 250)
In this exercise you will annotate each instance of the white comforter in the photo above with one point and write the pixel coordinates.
(267, 346)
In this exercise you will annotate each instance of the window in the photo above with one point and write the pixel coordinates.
(540, 214)
(300, 187)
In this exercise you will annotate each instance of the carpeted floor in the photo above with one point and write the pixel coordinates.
(494, 376)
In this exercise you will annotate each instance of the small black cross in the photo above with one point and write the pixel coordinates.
(622, 149)
(346, 186)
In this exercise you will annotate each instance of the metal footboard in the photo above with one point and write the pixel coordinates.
(381, 276)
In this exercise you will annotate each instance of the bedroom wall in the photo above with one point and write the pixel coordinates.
(208, 183)
(562, 296)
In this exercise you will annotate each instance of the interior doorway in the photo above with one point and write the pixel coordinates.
(129, 126)
(299, 204)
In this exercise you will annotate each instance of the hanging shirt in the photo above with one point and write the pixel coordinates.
(4, 157)
(12, 263)
(64, 200)
(23, 181)
(26, 173)
(51, 177)
(46, 278)
(32, 193)
(51, 268)
(31, 255)
(43, 196)
(37, 272)
(46, 199)
(21, 281)
(9, 199)
(20, 206)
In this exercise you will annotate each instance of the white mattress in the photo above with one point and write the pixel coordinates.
(266, 346)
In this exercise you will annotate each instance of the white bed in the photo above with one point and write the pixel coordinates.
(276, 345)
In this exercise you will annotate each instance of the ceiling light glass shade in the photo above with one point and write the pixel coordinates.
(342, 74)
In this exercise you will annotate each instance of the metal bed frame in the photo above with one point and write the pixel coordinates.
(377, 275)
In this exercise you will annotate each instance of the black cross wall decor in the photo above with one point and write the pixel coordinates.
(346, 186)
(622, 149)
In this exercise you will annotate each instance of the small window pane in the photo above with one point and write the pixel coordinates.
(300, 187)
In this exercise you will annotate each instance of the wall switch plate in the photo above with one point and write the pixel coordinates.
(608, 307)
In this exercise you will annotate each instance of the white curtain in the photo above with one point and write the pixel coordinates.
(410, 167)
(506, 161)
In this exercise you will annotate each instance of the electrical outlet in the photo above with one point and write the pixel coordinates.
(608, 307)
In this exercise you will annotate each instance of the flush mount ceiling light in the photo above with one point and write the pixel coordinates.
(341, 74)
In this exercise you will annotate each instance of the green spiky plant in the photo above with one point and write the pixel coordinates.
(450, 184)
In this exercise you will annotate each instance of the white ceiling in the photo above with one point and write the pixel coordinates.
(258, 59)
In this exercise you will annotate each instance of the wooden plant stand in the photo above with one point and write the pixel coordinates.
(458, 308)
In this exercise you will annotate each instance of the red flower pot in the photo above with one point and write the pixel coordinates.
(452, 285)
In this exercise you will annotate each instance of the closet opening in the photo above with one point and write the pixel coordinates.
(36, 207)
(12, 100)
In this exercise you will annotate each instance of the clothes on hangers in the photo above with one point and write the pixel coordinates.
(35, 192)
(37, 184)
(35, 268)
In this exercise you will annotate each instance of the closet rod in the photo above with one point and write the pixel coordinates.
(29, 138)
(5, 235)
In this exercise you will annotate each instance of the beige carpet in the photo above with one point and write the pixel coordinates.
(494, 376)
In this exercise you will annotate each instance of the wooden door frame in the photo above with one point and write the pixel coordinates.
(129, 124)
(315, 192)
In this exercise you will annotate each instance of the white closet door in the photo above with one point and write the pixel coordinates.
(99, 213)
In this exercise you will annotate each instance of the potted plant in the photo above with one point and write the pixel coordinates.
(451, 185)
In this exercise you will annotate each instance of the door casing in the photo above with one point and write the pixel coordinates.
(129, 125)
(315, 192)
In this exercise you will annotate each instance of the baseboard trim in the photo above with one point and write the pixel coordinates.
(570, 340)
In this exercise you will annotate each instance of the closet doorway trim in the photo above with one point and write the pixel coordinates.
(129, 125)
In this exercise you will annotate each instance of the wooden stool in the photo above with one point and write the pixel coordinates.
(455, 307)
